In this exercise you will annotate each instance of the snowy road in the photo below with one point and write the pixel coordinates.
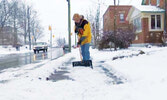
(21, 59)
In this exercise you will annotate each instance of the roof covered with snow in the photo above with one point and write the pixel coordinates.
(138, 4)
(149, 8)
(130, 2)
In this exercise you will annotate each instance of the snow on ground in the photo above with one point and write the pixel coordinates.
(133, 77)
(11, 50)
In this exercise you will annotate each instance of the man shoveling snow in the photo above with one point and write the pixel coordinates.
(83, 30)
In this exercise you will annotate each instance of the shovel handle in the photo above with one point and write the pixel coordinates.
(80, 53)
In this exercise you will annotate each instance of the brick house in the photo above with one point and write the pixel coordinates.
(149, 19)
(161, 4)
(121, 13)
(6, 36)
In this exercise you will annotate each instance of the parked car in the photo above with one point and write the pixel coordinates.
(40, 46)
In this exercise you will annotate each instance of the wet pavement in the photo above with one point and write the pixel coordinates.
(19, 60)
(59, 75)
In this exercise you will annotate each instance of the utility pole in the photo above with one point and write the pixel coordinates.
(165, 19)
(50, 29)
(114, 25)
(69, 24)
(28, 16)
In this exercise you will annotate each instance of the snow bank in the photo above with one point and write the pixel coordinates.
(11, 50)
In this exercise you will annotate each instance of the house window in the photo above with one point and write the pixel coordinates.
(122, 18)
(158, 21)
(158, 1)
(155, 21)
(152, 21)
(137, 24)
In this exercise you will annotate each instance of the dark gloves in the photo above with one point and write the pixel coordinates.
(80, 40)
(79, 43)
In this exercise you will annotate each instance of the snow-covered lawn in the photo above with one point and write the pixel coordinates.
(142, 77)
(12, 50)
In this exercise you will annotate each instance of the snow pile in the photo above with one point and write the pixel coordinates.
(11, 50)
(141, 77)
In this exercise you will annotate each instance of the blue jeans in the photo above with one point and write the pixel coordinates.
(85, 51)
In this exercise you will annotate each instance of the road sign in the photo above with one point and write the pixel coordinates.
(50, 28)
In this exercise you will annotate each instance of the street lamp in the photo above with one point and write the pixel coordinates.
(69, 24)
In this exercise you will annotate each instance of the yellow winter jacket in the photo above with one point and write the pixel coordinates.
(86, 32)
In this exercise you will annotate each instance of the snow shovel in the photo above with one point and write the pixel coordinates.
(86, 63)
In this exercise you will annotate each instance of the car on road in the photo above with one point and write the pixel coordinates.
(40, 46)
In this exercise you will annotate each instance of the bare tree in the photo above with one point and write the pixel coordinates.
(37, 30)
(35, 27)
(15, 14)
(97, 25)
(14, 19)
(61, 42)
(23, 21)
(93, 16)
(5, 11)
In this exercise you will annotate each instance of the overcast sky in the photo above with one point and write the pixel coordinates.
(55, 13)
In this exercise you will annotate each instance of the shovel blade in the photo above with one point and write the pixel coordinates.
(86, 63)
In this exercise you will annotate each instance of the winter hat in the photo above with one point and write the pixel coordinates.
(76, 16)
